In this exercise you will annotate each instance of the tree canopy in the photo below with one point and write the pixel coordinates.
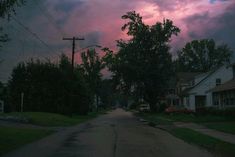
(49, 87)
(202, 56)
(7, 7)
(91, 66)
(142, 65)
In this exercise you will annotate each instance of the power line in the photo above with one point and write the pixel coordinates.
(23, 42)
(50, 19)
(32, 33)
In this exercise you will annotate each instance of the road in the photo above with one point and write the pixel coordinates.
(116, 134)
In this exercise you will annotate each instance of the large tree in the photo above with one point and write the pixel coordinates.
(143, 64)
(7, 8)
(202, 56)
(92, 65)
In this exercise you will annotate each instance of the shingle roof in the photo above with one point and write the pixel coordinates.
(186, 76)
(230, 85)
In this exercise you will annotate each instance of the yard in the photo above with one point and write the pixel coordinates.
(211, 144)
(221, 123)
(12, 137)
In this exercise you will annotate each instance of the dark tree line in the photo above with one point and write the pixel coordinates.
(49, 87)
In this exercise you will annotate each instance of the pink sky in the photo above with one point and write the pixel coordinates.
(99, 21)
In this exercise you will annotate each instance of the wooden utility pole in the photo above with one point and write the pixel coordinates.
(73, 47)
(22, 102)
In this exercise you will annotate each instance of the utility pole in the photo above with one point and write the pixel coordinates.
(22, 102)
(73, 47)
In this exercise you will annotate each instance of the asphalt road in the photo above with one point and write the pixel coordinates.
(116, 134)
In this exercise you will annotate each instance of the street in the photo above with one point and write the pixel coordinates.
(116, 134)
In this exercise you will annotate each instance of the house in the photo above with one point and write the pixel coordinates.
(223, 96)
(198, 94)
(185, 80)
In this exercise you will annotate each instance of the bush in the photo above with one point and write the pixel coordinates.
(218, 112)
(172, 109)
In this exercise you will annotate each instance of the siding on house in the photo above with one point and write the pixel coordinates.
(204, 83)
(224, 95)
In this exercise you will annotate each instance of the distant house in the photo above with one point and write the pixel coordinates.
(198, 93)
(185, 80)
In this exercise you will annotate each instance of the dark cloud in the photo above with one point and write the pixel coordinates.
(220, 28)
(68, 6)
(92, 38)
(99, 21)
(213, 1)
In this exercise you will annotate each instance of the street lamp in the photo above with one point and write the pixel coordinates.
(98, 46)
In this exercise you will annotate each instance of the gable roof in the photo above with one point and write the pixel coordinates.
(184, 77)
(230, 85)
(208, 74)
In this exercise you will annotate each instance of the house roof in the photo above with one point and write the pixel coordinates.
(207, 75)
(184, 77)
(230, 85)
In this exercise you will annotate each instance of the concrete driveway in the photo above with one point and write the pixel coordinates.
(116, 134)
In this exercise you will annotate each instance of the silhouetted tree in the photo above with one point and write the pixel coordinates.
(92, 65)
(48, 87)
(202, 56)
(143, 64)
(7, 8)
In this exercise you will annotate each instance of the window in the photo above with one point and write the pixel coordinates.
(218, 82)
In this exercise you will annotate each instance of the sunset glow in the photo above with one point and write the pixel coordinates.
(100, 23)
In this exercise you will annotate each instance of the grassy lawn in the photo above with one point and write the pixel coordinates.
(228, 127)
(211, 144)
(221, 123)
(12, 138)
(161, 118)
(195, 118)
(51, 119)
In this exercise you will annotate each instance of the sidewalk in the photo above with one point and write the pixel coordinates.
(204, 130)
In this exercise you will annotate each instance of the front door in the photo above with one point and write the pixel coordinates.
(200, 102)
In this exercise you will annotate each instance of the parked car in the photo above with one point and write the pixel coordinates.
(144, 108)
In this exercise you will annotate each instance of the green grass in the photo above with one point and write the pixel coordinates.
(51, 119)
(160, 118)
(196, 118)
(12, 138)
(211, 144)
(228, 127)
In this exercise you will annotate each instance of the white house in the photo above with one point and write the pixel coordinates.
(223, 96)
(199, 95)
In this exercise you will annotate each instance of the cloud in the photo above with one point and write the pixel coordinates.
(220, 28)
(99, 22)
